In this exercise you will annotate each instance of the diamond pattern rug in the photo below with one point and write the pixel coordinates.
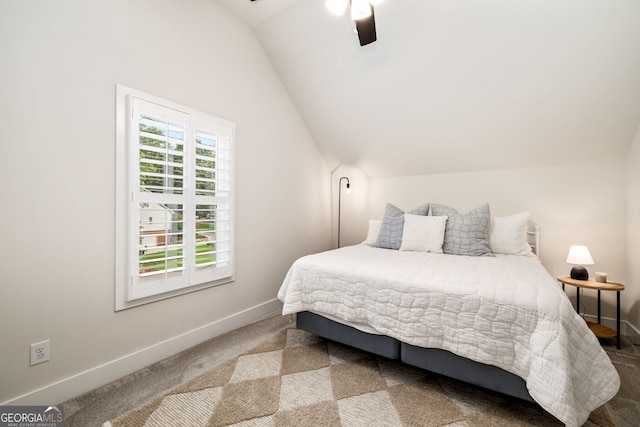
(299, 379)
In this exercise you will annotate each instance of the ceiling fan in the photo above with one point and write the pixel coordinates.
(362, 15)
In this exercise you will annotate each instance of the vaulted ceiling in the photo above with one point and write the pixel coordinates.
(459, 85)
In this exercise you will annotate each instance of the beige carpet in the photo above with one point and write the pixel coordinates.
(298, 379)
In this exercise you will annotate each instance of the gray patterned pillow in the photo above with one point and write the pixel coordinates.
(465, 234)
(390, 236)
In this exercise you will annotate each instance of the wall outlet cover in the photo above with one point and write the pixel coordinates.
(39, 352)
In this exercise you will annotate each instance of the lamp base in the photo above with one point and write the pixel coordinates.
(579, 273)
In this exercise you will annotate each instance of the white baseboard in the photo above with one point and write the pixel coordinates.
(632, 332)
(83, 382)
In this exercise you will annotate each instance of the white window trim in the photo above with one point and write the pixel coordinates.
(126, 251)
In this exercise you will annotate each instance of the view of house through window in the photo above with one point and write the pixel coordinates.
(177, 224)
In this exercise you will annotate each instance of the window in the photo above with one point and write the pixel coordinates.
(174, 207)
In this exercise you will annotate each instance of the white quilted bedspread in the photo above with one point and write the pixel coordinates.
(505, 311)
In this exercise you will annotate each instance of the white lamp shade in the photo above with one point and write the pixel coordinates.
(579, 255)
(336, 6)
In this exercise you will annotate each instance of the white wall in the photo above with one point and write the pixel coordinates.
(60, 64)
(632, 291)
(583, 204)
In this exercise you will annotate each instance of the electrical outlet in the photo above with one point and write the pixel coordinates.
(39, 352)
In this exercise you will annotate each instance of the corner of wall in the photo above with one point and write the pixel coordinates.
(633, 227)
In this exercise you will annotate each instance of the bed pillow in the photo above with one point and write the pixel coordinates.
(390, 236)
(466, 234)
(423, 233)
(374, 231)
(508, 235)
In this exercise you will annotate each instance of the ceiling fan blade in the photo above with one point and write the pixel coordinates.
(366, 29)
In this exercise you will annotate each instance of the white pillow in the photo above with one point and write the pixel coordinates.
(508, 235)
(423, 233)
(374, 230)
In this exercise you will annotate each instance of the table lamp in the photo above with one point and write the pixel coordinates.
(579, 256)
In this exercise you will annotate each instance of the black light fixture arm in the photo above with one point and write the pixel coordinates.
(340, 200)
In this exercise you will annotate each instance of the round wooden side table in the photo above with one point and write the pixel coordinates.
(598, 329)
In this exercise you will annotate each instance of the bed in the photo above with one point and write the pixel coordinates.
(497, 320)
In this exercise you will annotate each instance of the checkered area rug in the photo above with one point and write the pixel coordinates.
(299, 379)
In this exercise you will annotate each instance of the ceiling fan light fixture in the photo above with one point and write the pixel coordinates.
(336, 7)
(360, 9)
(362, 15)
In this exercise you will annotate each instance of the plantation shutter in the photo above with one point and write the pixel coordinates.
(212, 177)
(181, 199)
(160, 197)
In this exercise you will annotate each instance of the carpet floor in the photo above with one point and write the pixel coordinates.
(298, 379)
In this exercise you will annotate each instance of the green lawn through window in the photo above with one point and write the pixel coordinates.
(159, 259)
